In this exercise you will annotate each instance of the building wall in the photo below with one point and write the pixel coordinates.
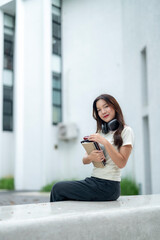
(141, 24)
(101, 52)
(87, 69)
(92, 63)
(1, 86)
(6, 138)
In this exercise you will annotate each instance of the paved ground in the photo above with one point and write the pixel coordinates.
(22, 197)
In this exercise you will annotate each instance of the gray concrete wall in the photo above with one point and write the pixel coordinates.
(141, 29)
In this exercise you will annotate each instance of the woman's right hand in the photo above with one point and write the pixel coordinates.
(94, 156)
(97, 156)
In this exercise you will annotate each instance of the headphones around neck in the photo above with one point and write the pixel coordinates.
(110, 126)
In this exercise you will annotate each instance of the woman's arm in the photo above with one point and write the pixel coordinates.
(94, 156)
(119, 158)
(86, 159)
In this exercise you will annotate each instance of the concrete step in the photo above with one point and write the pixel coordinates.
(130, 217)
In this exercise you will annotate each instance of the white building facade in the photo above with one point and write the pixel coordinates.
(55, 59)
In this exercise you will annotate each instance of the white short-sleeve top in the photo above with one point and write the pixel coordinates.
(111, 171)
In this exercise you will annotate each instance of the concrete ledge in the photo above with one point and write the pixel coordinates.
(134, 217)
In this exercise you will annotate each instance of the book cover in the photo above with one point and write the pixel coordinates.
(89, 147)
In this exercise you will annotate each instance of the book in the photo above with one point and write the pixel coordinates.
(89, 146)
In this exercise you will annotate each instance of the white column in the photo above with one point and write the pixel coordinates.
(19, 96)
(33, 92)
(47, 88)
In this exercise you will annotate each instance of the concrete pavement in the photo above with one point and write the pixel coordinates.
(130, 217)
(22, 197)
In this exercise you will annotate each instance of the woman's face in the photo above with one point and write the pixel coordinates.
(105, 112)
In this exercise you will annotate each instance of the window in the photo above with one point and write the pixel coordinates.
(56, 97)
(56, 28)
(56, 63)
(8, 73)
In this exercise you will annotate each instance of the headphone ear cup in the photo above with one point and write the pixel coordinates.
(113, 125)
(105, 129)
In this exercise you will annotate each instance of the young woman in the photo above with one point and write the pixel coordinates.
(116, 141)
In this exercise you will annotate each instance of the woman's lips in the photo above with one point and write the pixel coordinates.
(105, 116)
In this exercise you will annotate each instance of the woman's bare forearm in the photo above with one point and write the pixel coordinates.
(87, 159)
(119, 158)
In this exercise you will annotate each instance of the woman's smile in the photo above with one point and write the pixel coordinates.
(105, 116)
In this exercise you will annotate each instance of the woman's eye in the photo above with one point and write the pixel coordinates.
(106, 106)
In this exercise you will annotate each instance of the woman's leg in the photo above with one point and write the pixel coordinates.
(73, 190)
(90, 189)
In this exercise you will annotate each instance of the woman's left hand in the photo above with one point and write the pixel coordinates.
(97, 138)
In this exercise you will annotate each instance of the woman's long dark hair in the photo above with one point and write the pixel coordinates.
(111, 101)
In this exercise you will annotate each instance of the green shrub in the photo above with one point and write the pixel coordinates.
(48, 187)
(7, 183)
(129, 187)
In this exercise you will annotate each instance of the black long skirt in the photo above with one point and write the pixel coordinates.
(89, 189)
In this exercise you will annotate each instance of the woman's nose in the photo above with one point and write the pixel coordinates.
(103, 110)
